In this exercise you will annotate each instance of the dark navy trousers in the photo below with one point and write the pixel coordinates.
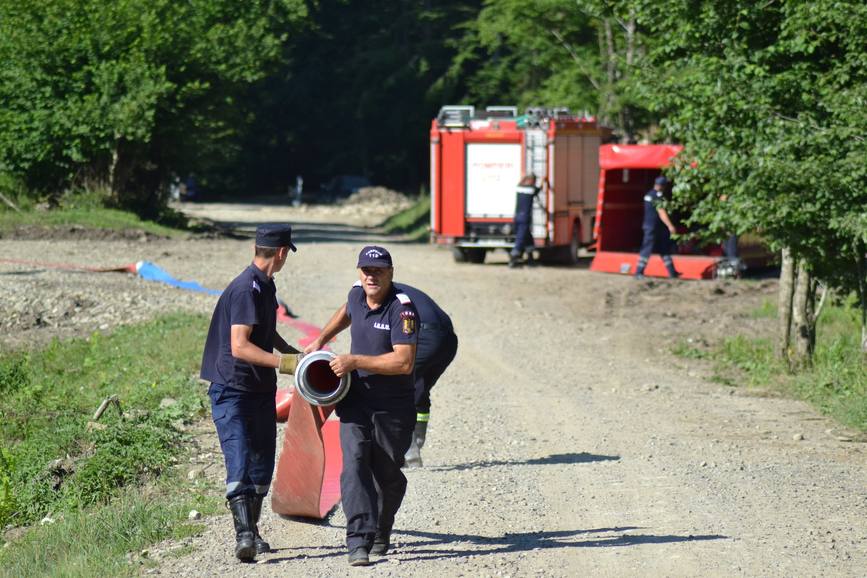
(436, 349)
(372, 486)
(655, 240)
(523, 238)
(247, 427)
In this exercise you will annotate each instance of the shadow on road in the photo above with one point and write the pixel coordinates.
(303, 233)
(528, 541)
(574, 458)
(426, 548)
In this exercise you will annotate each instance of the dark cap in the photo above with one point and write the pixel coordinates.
(660, 180)
(373, 256)
(273, 235)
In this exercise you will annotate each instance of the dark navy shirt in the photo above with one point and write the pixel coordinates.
(430, 314)
(524, 203)
(375, 332)
(652, 198)
(250, 299)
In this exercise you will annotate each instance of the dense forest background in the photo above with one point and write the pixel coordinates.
(129, 94)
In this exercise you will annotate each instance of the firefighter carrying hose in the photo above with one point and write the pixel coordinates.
(239, 362)
(377, 415)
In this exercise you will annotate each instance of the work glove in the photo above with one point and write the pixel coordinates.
(289, 362)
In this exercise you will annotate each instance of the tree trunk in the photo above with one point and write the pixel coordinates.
(626, 113)
(611, 70)
(784, 305)
(113, 184)
(861, 269)
(803, 334)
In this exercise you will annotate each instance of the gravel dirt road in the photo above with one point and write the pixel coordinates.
(566, 439)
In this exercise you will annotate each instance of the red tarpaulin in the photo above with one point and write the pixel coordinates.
(626, 173)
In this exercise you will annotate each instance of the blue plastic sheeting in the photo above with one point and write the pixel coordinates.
(150, 272)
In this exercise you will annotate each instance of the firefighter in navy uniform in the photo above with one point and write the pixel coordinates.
(657, 229)
(239, 362)
(436, 349)
(523, 221)
(377, 416)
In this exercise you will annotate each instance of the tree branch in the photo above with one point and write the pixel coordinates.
(574, 56)
(813, 126)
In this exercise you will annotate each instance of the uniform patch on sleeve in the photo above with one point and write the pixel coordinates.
(408, 321)
(256, 287)
(404, 299)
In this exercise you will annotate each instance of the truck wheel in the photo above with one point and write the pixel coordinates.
(468, 255)
(571, 258)
(476, 255)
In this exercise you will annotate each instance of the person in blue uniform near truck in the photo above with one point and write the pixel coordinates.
(657, 230)
(437, 347)
(239, 362)
(523, 221)
(378, 415)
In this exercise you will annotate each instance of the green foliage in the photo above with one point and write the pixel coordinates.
(769, 100)
(96, 541)
(836, 383)
(413, 222)
(356, 93)
(557, 53)
(123, 92)
(61, 464)
(7, 472)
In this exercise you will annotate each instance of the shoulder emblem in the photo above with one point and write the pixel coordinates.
(404, 299)
(256, 286)
(407, 317)
(357, 284)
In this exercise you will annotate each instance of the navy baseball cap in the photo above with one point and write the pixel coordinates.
(374, 256)
(273, 235)
(660, 180)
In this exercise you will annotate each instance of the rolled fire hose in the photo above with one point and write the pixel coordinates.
(316, 382)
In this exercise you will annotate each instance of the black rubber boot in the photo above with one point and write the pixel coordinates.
(669, 266)
(242, 515)
(412, 459)
(639, 269)
(262, 547)
(420, 433)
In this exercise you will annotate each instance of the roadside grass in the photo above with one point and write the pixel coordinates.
(109, 539)
(412, 222)
(55, 461)
(96, 218)
(836, 383)
(88, 209)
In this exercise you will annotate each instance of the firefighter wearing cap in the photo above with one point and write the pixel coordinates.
(377, 416)
(657, 229)
(436, 349)
(239, 362)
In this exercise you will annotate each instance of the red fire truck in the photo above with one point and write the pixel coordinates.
(477, 159)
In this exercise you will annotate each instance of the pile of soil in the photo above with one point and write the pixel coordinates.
(379, 197)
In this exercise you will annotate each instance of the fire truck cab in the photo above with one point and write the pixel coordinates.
(477, 160)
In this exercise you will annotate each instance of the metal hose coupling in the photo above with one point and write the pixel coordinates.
(316, 382)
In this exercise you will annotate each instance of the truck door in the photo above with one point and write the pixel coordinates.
(493, 172)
